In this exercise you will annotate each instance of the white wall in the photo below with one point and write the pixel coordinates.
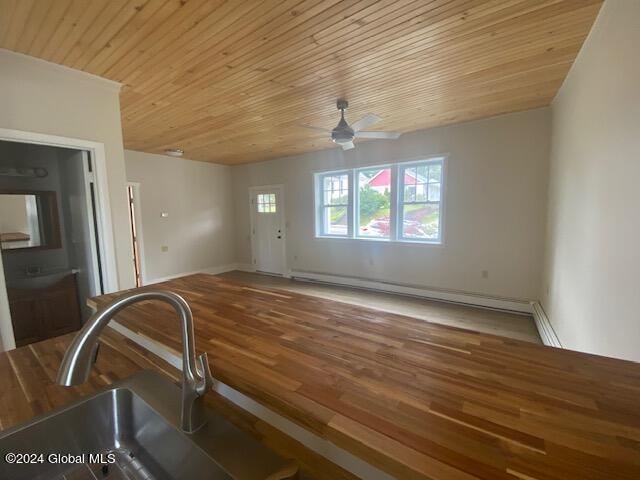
(13, 214)
(197, 196)
(495, 208)
(37, 96)
(591, 291)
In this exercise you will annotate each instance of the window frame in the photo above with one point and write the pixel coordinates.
(396, 202)
(320, 206)
(356, 206)
(402, 167)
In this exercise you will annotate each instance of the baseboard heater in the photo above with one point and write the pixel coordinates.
(461, 298)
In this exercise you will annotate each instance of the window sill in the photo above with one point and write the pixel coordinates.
(381, 240)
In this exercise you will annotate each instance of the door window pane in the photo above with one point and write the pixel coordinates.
(266, 202)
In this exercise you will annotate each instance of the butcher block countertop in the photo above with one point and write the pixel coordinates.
(28, 374)
(416, 399)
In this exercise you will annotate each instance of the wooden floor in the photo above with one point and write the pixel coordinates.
(416, 399)
(520, 327)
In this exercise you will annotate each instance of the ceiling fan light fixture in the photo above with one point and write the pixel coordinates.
(174, 152)
(343, 134)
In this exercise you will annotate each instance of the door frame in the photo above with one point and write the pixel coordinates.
(138, 219)
(103, 209)
(252, 223)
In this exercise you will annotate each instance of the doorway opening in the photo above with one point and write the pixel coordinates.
(51, 251)
(268, 229)
(135, 230)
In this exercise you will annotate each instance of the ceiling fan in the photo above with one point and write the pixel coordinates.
(343, 134)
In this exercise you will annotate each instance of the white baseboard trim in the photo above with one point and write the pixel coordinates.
(476, 300)
(323, 447)
(210, 270)
(545, 329)
(245, 267)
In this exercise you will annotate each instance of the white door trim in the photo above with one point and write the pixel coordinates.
(103, 207)
(137, 205)
(252, 221)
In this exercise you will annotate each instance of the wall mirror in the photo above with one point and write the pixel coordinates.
(29, 219)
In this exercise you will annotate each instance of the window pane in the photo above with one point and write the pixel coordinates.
(421, 176)
(374, 200)
(434, 192)
(410, 193)
(421, 222)
(435, 173)
(335, 190)
(335, 221)
(260, 207)
(410, 176)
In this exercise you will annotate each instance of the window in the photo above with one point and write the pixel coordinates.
(400, 202)
(266, 202)
(334, 204)
(374, 203)
(419, 202)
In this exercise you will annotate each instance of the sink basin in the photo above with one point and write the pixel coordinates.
(135, 425)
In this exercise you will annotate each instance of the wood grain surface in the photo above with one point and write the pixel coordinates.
(236, 81)
(27, 378)
(416, 399)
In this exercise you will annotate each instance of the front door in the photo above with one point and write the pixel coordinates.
(267, 219)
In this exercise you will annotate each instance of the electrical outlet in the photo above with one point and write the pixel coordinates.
(164, 248)
(485, 273)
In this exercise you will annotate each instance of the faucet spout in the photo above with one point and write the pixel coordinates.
(196, 375)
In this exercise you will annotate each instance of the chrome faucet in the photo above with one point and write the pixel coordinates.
(196, 376)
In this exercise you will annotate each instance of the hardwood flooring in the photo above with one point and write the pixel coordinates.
(512, 325)
(416, 399)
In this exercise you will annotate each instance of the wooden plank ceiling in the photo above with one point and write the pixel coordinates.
(233, 81)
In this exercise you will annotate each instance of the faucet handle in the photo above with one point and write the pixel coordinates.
(204, 371)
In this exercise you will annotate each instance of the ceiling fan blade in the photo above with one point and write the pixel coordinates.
(348, 146)
(366, 121)
(389, 135)
(318, 129)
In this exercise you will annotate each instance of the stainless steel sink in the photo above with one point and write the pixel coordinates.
(135, 424)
